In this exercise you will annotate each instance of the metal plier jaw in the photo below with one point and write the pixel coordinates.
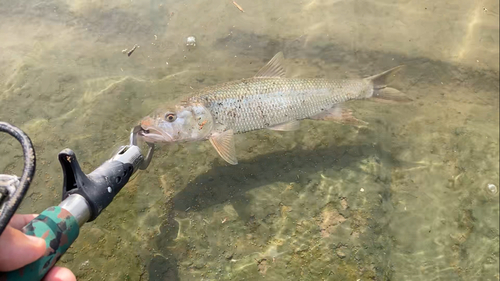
(99, 187)
(133, 142)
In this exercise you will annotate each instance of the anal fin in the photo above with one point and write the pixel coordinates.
(340, 115)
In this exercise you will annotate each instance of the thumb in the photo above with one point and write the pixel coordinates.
(18, 249)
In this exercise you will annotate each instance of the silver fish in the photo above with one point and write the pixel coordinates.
(266, 101)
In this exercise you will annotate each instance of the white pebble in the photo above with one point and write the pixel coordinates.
(492, 189)
(362, 190)
(191, 41)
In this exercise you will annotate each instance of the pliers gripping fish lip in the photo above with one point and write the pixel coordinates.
(133, 142)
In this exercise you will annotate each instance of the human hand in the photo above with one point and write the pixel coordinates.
(18, 249)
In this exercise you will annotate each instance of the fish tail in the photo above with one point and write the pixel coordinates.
(380, 92)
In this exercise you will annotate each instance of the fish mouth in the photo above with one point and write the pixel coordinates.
(153, 135)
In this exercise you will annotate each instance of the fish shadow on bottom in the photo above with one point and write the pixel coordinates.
(161, 268)
(231, 183)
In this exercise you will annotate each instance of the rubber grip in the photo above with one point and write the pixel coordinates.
(59, 229)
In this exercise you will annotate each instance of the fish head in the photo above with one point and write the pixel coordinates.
(183, 122)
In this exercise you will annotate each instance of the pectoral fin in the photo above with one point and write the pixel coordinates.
(224, 144)
(339, 115)
(288, 126)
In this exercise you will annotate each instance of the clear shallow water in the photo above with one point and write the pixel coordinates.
(403, 199)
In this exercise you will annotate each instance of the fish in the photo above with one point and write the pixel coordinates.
(268, 100)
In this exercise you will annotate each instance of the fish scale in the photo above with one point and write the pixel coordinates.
(257, 103)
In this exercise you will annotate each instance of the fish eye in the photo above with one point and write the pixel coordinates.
(170, 117)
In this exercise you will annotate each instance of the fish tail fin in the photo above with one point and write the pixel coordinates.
(381, 93)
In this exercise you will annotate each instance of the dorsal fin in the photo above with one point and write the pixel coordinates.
(274, 68)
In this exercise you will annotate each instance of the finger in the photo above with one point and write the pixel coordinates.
(19, 249)
(59, 274)
(19, 221)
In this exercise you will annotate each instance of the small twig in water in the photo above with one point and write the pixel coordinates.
(131, 51)
(238, 6)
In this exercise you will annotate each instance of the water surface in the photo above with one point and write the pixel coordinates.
(404, 198)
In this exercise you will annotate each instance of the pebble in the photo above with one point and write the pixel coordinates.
(340, 253)
(492, 189)
(191, 41)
